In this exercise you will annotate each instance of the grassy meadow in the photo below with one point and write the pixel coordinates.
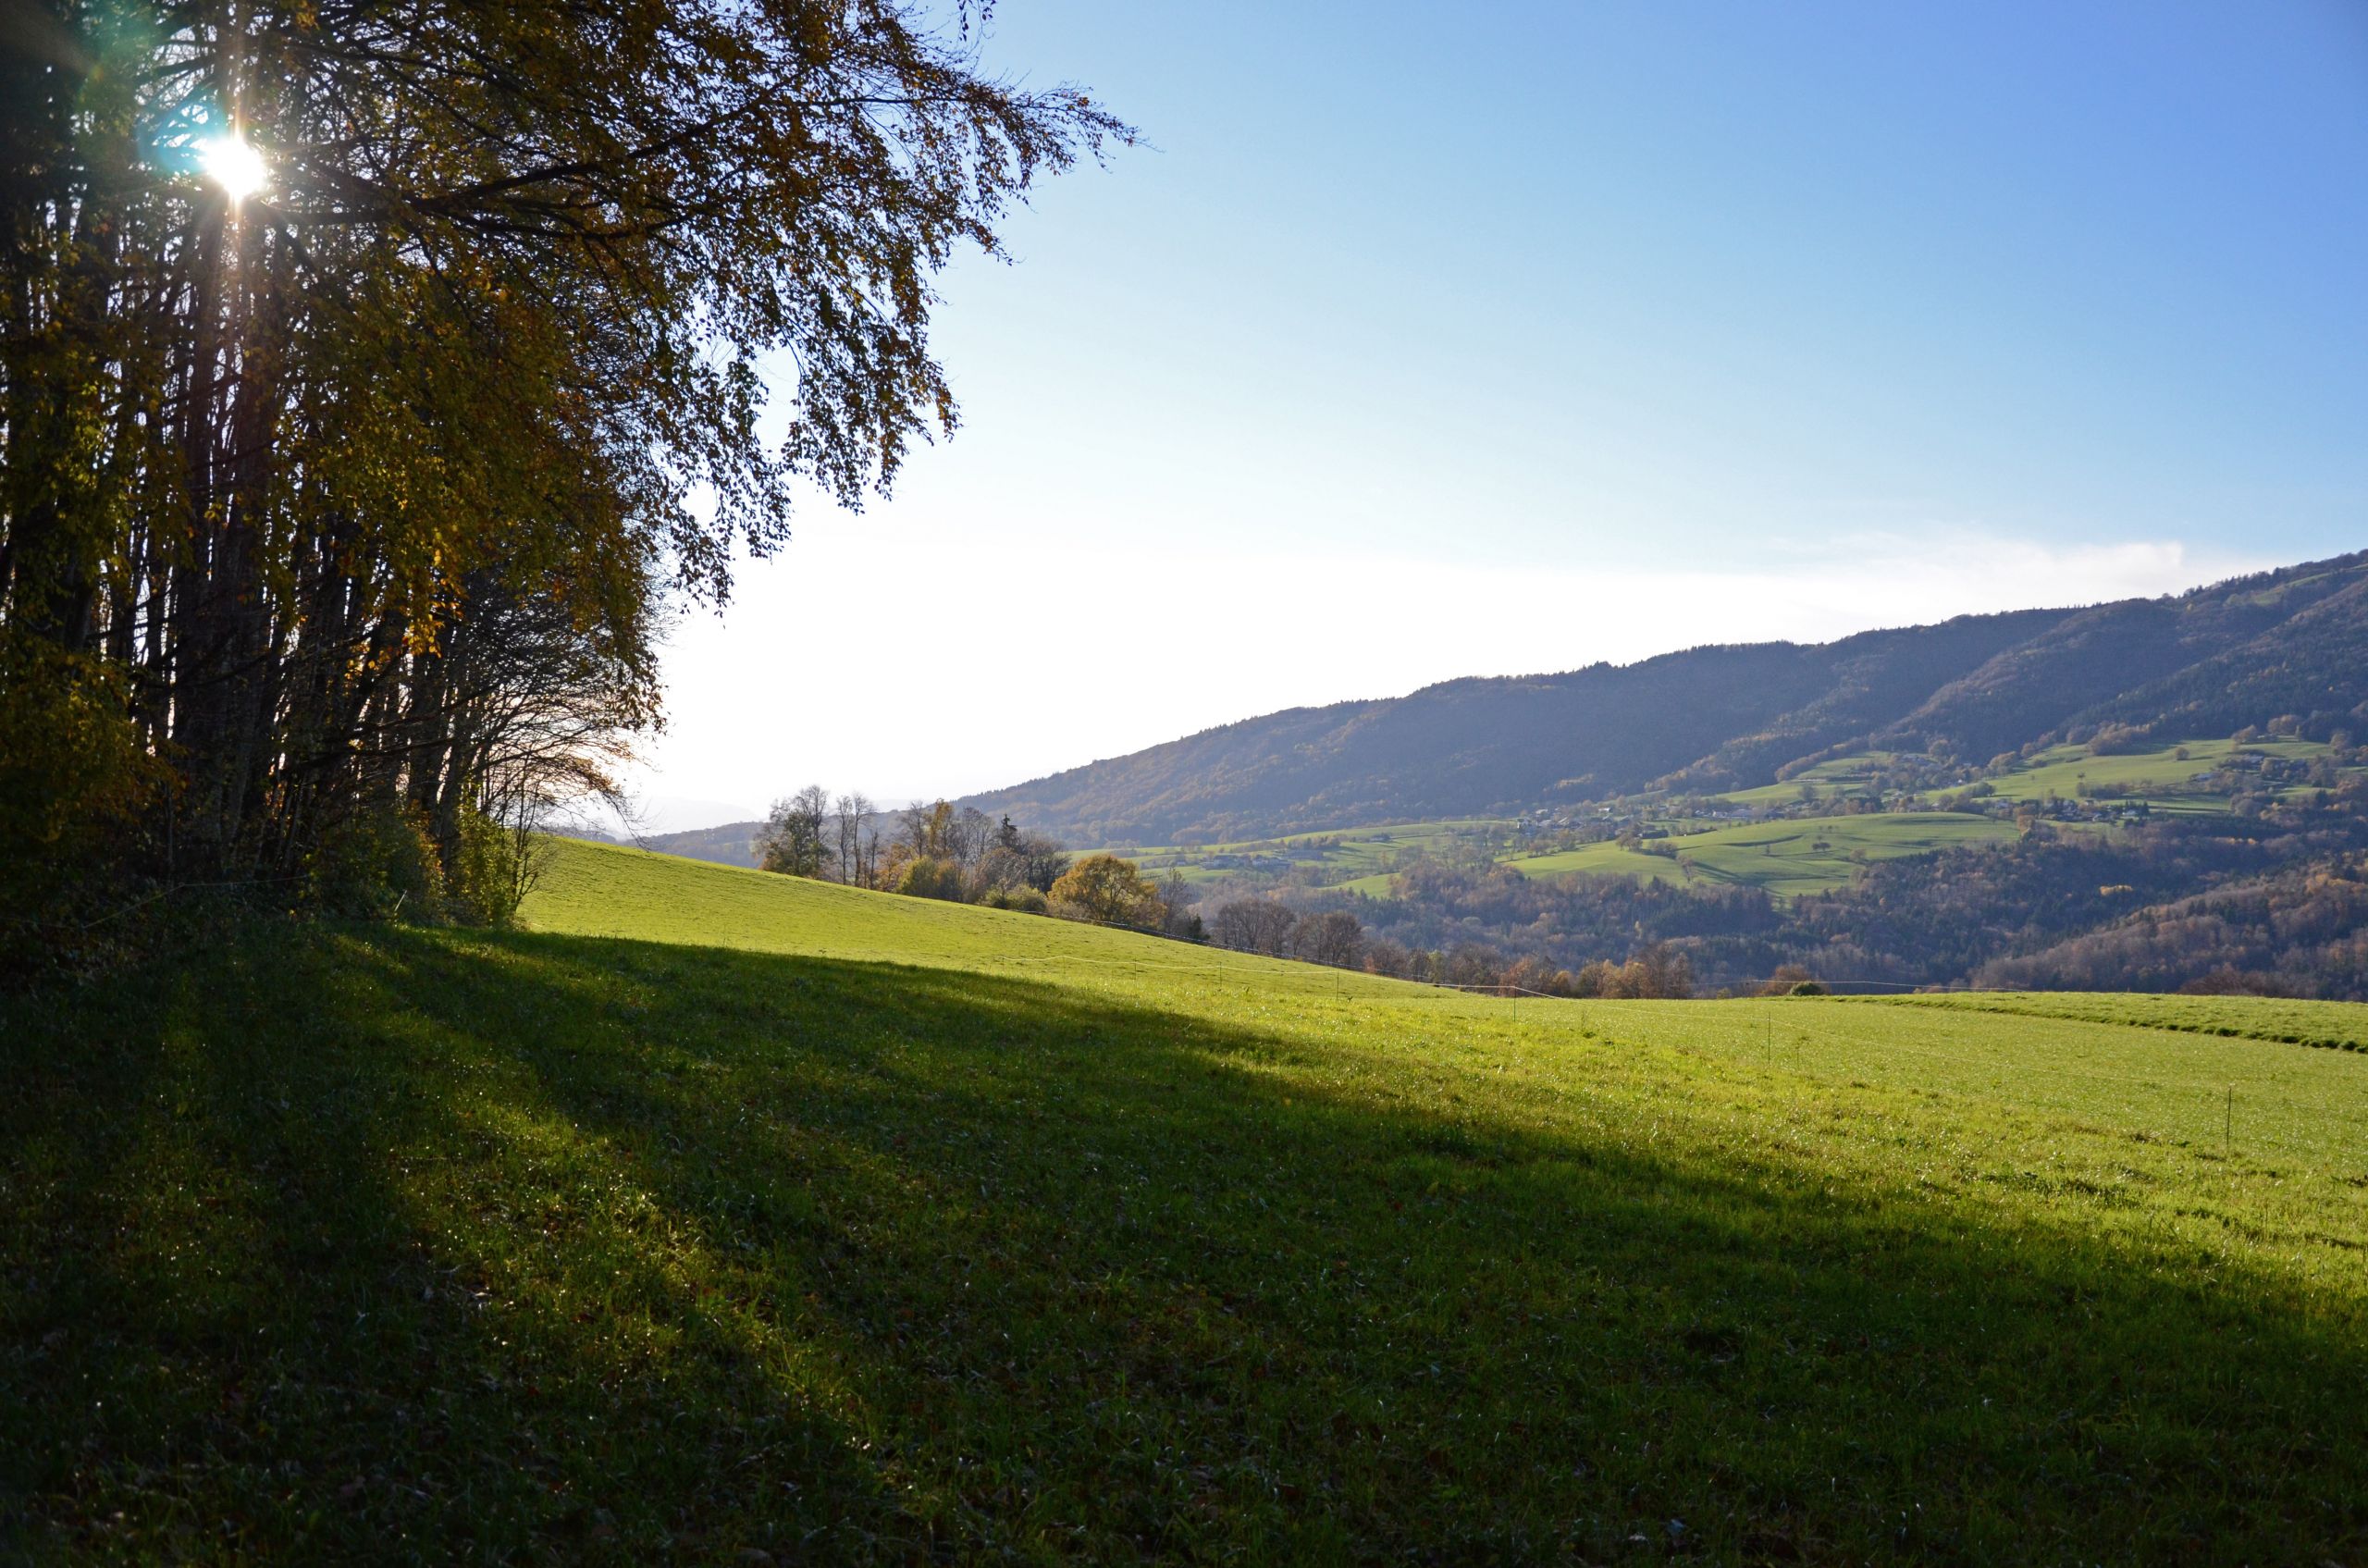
(1787, 857)
(2254, 1018)
(1360, 852)
(2163, 779)
(730, 1218)
(1839, 775)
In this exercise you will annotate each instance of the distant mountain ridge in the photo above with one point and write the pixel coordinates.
(728, 844)
(2289, 642)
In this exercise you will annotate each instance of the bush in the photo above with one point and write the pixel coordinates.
(489, 874)
(2228, 981)
(926, 877)
(1021, 898)
(73, 781)
(377, 864)
(1809, 988)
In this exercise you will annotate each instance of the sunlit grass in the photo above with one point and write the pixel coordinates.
(2166, 779)
(2340, 1025)
(1823, 782)
(1344, 853)
(1785, 857)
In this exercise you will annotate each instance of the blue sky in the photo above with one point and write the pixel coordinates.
(1427, 340)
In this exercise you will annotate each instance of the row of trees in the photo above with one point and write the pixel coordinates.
(960, 854)
(1337, 938)
(812, 835)
(1274, 929)
(355, 498)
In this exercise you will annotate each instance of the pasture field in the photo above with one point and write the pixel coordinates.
(2163, 779)
(1367, 852)
(1825, 780)
(730, 1218)
(1786, 858)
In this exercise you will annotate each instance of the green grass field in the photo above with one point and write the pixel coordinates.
(729, 1219)
(1823, 782)
(2163, 779)
(1349, 852)
(2298, 1023)
(1787, 858)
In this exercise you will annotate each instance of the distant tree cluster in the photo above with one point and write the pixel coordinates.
(2302, 932)
(1336, 937)
(1659, 972)
(1275, 929)
(2055, 906)
(961, 855)
(935, 850)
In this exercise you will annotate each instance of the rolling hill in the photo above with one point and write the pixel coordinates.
(1715, 720)
(735, 1219)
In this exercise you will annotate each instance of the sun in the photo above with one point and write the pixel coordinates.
(234, 164)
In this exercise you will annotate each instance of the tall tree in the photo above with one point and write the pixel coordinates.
(794, 840)
(1110, 891)
(360, 364)
(851, 819)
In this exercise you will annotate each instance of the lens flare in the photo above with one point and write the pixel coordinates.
(234, 165)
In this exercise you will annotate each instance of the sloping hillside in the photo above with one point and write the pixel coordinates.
(1477, 746)
(1731, 718)
(2202, 664)
(2311, 660)
(732, 1218)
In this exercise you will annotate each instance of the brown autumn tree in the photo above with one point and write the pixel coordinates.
(1105, 889)
(1332, 937)
(1254, 925)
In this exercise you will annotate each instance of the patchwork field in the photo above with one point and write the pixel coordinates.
(1823, 782)
(1785, 857)
(1347, 853)
(2164, 779)
(732, 1218)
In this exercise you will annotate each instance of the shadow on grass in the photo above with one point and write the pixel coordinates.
(399, 1246)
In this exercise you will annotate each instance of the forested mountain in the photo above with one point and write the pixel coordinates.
(2291, 642)
(2202, 664)
(727, 845)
